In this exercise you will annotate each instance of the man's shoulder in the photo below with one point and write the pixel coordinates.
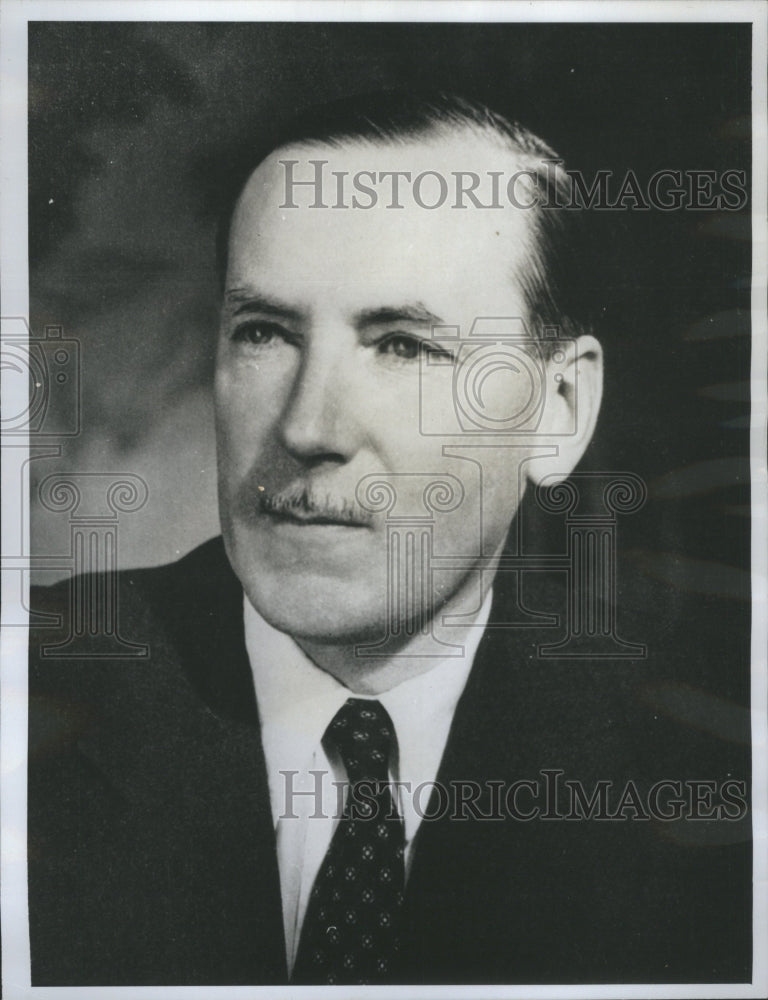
(660, 679)
(121, 631)
(116, 660)
(201, 571)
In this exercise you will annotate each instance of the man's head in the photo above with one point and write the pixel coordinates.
(331, 379)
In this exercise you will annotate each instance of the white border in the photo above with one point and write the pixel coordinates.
(14, 297)
(759, 476)
(531, 11)
(14, 16)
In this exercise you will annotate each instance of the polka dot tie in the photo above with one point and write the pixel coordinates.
(351, 931)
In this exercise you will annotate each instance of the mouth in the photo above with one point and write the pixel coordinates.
(317, 519)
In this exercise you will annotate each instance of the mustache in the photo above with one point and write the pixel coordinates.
(305, 503)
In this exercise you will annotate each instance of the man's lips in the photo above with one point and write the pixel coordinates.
(313, 519)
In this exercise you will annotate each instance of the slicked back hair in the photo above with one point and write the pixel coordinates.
(554, 286)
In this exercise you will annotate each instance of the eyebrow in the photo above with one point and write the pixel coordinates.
(246, 300)
(416, 313)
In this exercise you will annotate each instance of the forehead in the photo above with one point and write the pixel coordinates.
(466, 257)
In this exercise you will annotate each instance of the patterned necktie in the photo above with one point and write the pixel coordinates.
(351, 928)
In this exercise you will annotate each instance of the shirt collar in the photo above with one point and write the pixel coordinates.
(297, 699)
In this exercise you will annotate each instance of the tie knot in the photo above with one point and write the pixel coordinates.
(364, 736)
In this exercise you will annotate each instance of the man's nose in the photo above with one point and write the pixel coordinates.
(318, 423)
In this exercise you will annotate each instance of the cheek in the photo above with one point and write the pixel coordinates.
(504, 484)
(228, 425)
(238, 446)
(432, 410)
(247, 406)
(491, 479)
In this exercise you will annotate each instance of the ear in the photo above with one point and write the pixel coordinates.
(574, 389)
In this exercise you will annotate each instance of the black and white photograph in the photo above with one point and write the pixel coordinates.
(384, 500)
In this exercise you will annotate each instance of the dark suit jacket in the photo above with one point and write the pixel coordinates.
(151, 845)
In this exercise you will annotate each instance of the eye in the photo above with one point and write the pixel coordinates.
(400, 345)
(260, 333)
(406, 347)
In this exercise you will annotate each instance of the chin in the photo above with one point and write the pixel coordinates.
(316, 626)
(319, 610)
(329, 598)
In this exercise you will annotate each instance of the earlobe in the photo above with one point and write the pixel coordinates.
(574, 389)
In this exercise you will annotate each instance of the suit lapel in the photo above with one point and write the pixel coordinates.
(467, 910)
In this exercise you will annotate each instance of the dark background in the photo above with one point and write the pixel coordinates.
(130, 130)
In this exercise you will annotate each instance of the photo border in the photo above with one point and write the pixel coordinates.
(14, 18)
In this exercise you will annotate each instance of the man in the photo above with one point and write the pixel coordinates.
(322, 772)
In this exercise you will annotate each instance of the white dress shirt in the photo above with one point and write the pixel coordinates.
(297, 701)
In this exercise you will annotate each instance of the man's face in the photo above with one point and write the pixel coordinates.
(322, 381)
